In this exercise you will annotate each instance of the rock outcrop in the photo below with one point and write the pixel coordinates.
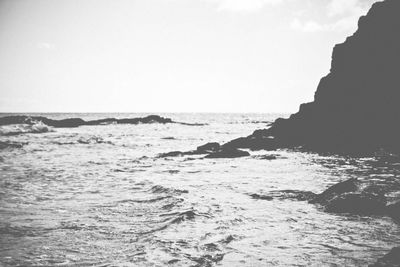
(211, 150)
(76, 122)
(356, 106)
(349, 197)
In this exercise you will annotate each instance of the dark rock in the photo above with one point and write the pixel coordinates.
(357, 203)
(360, 91)
(267, 157)
(102, 121)
(347, 197)
(192, 124)
(228, 153)
(7, 120)
(168, 138)
(173, 261)
(261, 197)
(347, 186)
(393, 211)
(4, 145)
(227, 240)
(253, 143)
(356, 106)
(208, 148)
(207, 260)
(286, 195)
(76, 122)
(155, 119)
(67, 123)
(392, 259)
(171, 154)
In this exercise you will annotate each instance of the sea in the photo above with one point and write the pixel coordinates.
(101, 196)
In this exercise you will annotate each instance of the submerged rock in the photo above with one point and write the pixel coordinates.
(392, 259)
(335, 190)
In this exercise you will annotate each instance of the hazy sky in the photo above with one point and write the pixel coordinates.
(168, 55)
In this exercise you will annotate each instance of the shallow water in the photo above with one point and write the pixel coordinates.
(99, 196)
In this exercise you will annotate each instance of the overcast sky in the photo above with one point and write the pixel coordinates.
(168, 55)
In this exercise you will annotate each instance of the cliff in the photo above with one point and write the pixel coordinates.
(356, 107)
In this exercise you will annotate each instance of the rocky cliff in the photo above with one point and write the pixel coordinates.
(357, 105)
(356, 108)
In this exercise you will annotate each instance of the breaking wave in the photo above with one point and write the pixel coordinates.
(16, 129)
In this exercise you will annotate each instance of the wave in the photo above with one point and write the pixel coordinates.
(85, 140)
(151, 200)
(17, 129)
(93, 140)
(158, 189)
(76, 122)
(177, 217)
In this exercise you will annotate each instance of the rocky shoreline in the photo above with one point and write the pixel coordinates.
(355, 112)
(76, 122)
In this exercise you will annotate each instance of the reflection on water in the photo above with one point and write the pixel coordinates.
(98, 196)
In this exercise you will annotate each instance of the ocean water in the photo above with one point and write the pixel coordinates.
(100, 196)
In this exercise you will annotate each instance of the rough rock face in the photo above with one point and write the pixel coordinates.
(356, 106)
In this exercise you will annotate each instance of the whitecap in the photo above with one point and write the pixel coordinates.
(17, 129)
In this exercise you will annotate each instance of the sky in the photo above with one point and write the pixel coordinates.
(168, 55)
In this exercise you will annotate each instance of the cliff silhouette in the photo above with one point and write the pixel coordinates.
(356, 108)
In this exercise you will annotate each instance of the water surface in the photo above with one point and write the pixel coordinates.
(99, 196)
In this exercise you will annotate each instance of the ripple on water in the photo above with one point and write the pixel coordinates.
(107, 201)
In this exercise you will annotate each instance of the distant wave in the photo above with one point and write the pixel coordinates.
(93, 140)
(76, 122)
(16, 129)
